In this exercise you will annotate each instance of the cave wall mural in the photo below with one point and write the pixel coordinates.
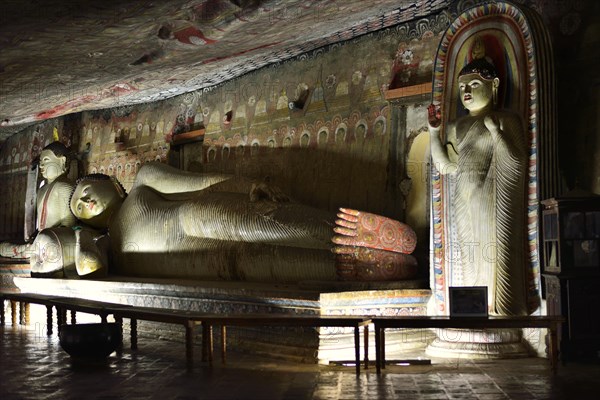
(317, 125)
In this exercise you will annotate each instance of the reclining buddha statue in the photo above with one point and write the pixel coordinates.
(177, 224)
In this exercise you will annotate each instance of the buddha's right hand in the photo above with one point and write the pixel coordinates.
(434, 116)
(10, 250)
(7, 249)
(266, 191)
(89, 258)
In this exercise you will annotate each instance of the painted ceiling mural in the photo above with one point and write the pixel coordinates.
(59, 57)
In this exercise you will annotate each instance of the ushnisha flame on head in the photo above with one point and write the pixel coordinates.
(480, 64)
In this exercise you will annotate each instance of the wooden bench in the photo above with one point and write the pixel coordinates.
(62, 305)
(186, 318)
(103, 309)
(189, 320)
(552, 323)
(355, 322)
(25, 299)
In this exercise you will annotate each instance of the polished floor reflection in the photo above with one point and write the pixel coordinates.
(33, 366)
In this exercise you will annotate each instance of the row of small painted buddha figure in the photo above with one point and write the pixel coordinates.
(179, 224)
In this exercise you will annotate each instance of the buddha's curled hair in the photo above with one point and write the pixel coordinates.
(59, 149)
(480, 66)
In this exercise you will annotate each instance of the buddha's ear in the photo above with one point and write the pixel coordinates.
(63, 162)
(495, 86)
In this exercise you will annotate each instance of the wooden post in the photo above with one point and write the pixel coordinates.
(382, 331)
(119, 322)
(21, 313)
(552, 332)
(378, 351)
(189, 344)
(26, 313)
(210, 344)
(13, 312)
(223, 344)
(366, 343)
(49, 320)
(60, 317)
(133, 329)
(357, 348)
(2, 310)
(204, 341)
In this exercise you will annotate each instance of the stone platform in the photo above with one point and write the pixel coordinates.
(302, 344)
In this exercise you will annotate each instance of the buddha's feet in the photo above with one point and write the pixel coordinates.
(370, 247)
(364, 264)
(358, 228)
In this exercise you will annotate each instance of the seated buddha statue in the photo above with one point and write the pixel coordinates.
(52, 206)
(177, 224)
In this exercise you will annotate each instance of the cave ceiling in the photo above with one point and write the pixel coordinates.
(61, 57)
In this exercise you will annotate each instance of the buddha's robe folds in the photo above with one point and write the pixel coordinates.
(220, 235)
(489, 210)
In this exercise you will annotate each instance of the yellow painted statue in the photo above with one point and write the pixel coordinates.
(52, 205)
(486, 154)
(178, 224)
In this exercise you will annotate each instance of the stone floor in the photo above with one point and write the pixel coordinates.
(33, 366)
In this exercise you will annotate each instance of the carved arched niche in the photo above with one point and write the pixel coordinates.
(517, 43)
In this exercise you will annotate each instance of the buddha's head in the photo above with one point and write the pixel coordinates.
(54, 161)
(95, 199)
(478, 81)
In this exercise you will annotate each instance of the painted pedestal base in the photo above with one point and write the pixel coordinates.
(479, 344)
(12, 268)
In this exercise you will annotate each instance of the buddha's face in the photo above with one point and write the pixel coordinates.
(476, 93)
(94, 201)
(51, 166)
